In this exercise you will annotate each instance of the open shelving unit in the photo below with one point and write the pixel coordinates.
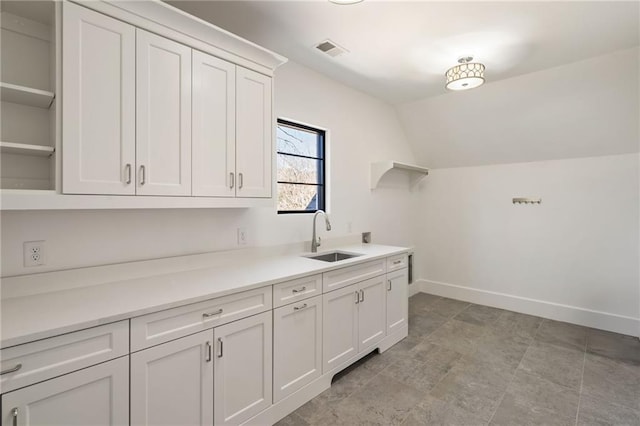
(381, 168)
(28, 136)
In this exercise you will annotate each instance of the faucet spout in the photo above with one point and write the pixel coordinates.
(315, 240)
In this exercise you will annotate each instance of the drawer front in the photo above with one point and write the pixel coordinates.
(152, 329)
(48, 358)
(295, 290)
(343, 277)
(397, 262)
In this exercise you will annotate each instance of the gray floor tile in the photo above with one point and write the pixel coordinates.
(424, 324)
(595, 411)
(475, 387)
(500, 349)
(421, 301)
(384, 401)
(433, 411)
(613, 345)
(479, 315)
(517, 326)
(292, 420)
(447, 308)
(532, 400)
(424, 366)
(457, 335)
(555, 363)
(611, 380)
(562, 334)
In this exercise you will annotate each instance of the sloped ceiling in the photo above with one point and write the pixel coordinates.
(562, 77)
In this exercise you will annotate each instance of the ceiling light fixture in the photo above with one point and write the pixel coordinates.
(345, 1)
(467, 75)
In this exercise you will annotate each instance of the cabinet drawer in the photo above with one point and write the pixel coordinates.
(152, 329)
(339, 278)
(294, 290)
(47, 358)
(397, 262)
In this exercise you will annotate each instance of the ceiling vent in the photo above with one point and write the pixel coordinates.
(331, 48)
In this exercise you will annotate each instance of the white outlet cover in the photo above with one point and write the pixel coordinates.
(242, 236)
(34, 253)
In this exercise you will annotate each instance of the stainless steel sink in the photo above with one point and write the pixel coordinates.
(334, 256)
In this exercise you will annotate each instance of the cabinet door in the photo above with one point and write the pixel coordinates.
(340, 326)
(98, 110)
(214, 131)
(254, 124)
(297, 346)
(372, 312)
(397, 300)
(97, 396)
(163, 132)
(243, 369)
(172, 383)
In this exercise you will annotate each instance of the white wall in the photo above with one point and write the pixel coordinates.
(569, 135)
(361, 129)
(582, 109)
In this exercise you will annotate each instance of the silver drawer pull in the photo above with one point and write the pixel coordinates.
(143, 175)
(208, 351)
(295, 290)
(232, 179)
(11, 370)
(241, 179)
(397, 262)
(212, 314)
(297, 308)
(389, 285)
(220, 347)
(357, 297)
(128, 171)
(362, 293)
(14, 414)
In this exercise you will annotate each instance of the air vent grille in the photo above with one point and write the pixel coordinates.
(331, 48)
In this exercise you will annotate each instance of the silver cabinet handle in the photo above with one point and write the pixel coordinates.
(143, 177)
(220, 347)
(397, 262)
(232, 179)
(212, 314)
(297, 308)
(241, 179)
(357, 297)
(127, 170)
(388, 285)
(295, 290)
(209, 350)
(362, 298)
(14, 413)
(11, 370)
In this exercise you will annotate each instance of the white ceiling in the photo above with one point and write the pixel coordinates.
(399, 50)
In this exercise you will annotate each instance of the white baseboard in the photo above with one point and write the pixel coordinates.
(414, 288)
(556, 311)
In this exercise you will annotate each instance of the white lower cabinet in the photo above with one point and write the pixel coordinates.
(297, 346)
(97, 396)
(172, 383)
(372, 309)
(242, 369)
(397, 297)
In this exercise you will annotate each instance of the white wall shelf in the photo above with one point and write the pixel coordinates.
(26, 149)
(379, 169)
(26, 95)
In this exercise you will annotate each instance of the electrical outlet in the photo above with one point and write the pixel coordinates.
(349, 227)
(242, 236)
(34, 253)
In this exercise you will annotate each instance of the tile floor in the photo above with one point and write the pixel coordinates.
(466, 364)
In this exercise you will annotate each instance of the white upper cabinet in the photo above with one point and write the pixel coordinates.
(163, 90)
(254, 124)
(214, 126)
(98, 104)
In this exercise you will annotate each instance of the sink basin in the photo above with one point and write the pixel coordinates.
(334, 256)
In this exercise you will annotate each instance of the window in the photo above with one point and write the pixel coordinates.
(301, 168)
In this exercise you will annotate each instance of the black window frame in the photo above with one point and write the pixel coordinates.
(321, 185)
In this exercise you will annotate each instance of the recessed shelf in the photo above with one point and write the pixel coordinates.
(26, 149)
(379, 169)
(25, 95)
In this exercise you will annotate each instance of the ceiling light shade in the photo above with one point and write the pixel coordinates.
(345, 1)
(467, 75)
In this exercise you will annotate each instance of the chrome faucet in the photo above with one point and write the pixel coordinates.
(315, 241)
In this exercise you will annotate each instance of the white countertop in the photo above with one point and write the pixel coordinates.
(37, 316)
